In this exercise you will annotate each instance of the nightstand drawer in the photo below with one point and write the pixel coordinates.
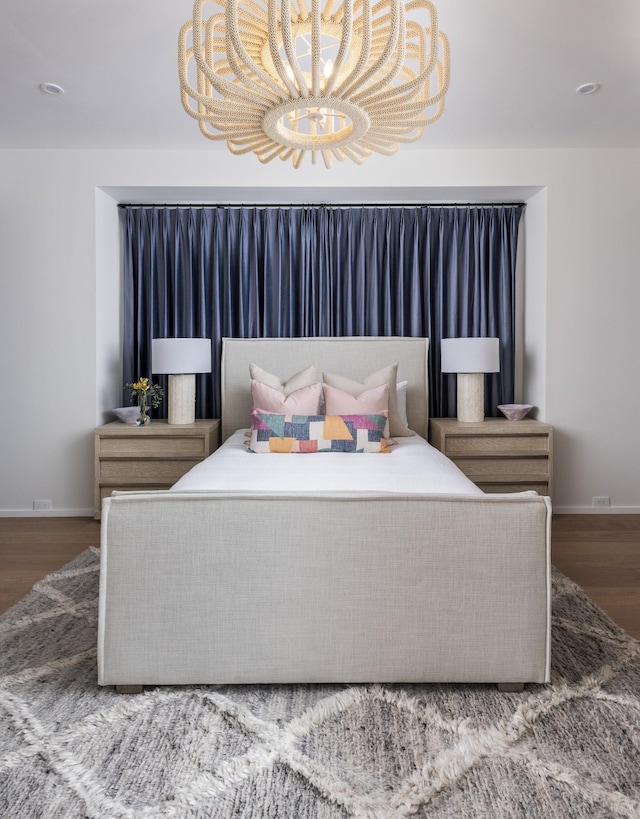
(507, 469)
(136, 471)
(148, 447)
(496, 445)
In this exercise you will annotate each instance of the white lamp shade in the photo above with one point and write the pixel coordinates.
(180, 355)
(470, 355)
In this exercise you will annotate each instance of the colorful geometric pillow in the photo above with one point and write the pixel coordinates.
(271, 432)
(305, 401)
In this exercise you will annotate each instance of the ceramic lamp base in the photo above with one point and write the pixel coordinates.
(182, 399)
(470, 397)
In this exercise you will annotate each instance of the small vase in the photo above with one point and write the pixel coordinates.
(143, 417)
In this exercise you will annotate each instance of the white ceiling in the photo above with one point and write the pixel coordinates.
(514, 70)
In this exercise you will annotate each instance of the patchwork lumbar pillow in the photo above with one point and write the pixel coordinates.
(305, 401)
(273, 432)
(388, 375)
(302, 379)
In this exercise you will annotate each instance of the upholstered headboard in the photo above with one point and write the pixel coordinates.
(355, 357)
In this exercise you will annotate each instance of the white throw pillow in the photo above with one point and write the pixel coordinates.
(302, 379)
(402, 401)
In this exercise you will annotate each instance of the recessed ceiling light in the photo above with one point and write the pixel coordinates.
(51, 88)
(588, 88)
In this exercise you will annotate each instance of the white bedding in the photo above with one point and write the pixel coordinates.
(413, 466)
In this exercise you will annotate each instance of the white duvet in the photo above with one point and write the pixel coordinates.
(412, 466)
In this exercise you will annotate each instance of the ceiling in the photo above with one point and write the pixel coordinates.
(515, 67)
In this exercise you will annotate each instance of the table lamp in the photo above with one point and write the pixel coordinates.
(180, 359)
(470, 358)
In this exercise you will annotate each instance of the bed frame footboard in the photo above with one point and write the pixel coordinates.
(217, 588)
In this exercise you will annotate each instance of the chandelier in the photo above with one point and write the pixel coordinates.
(339, 80)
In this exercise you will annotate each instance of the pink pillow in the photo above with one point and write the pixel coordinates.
(305, 401)
(369, 402)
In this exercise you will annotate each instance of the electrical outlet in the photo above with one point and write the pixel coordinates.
(41, 505)
(602, 501)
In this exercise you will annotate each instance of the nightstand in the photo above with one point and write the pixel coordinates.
(498, 455)
(152, 457)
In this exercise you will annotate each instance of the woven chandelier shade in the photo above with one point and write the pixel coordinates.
(338, 80)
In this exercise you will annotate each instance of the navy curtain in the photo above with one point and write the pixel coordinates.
(264, 272)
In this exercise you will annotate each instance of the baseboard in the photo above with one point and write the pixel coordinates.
(600, 510)
(46, 513)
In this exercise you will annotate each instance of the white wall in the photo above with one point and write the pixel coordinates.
(109, 318)
(60, 319)
(593, 333)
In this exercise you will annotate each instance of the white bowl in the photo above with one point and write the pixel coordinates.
(128, 415)
(514, 412)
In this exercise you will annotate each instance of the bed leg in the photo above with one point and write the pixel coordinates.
(510, 688)
(129, 689)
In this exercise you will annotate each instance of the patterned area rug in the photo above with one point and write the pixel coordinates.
(70, 749)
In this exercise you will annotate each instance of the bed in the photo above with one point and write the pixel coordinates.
(326, 567)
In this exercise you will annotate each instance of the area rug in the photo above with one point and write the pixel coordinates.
(70, 749)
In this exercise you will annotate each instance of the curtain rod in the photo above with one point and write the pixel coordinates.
(320, 205)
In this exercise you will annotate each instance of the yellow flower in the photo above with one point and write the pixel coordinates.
(145, 390)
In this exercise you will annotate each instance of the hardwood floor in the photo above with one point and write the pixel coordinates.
(599, 552)
(31, 548)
